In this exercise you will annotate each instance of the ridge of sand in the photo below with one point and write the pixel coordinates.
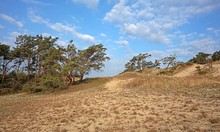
(189, 71)
(116, 84)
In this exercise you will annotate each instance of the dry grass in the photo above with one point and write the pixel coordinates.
(172, 82)
(86, 84)
(128, 102)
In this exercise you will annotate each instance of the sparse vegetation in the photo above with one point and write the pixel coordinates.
(130, 101)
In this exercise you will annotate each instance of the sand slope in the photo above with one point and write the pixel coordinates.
(189, 71)
(111, 107)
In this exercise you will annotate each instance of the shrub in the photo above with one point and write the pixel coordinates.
(51, 82)
(33, 87)
(46, 83)
(6, 91)
(202, 71)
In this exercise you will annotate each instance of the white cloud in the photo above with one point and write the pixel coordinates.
(36, 18)
(55, 26)
(88, 3)
(85, 37)
(206, 45)
(103, 35)
(11, 20)
(59, 41)
(120, 13)
(121, 41)
(148, 31)
(60, 27)
(215, 31)
(190, 44)
(10, 38)
(153, 20)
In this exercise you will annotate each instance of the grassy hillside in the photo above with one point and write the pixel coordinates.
(127, 102)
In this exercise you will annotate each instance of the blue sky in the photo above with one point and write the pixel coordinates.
(125, 27)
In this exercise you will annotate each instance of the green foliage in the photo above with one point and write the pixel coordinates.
(169, 61)
(28, 87)
(51, 82)
(5, 58)
(216, 56)
(138, 63)
(40, 60)
(92, 58)
(4, 91)
(201, 58)
(47, 83)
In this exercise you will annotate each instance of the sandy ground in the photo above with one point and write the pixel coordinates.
(111, 108)
(188, 71)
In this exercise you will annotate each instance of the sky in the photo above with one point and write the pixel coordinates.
(125, 27)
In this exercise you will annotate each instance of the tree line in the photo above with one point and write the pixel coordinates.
(39, 58)
(139, 62)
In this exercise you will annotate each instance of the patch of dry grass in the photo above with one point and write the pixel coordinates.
(87, 84)
(172, 82)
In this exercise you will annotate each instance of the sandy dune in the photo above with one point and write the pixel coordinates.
(189, 71)
(112, 108)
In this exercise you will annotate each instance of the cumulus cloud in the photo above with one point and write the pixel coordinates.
(190, 44)
(153, 20)
(207, 45)
(88, 3)
(55, 26)
(11, 20)
(85, 37)
(60, 27)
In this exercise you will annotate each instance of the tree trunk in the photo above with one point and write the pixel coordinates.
(29, 64)
(3, 73)
(4, 70)
(168, 65)
(81, 76)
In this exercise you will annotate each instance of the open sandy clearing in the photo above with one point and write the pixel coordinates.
(113, 108)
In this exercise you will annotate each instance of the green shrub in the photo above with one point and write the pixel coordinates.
(33, 87)
(28, 87)
(51, 82)
(47, 83)
(37, 89)
(6, 91)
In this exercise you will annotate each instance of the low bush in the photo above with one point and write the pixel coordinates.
(47, 83)
(4, 91)
(51, 82)
(202, 71)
